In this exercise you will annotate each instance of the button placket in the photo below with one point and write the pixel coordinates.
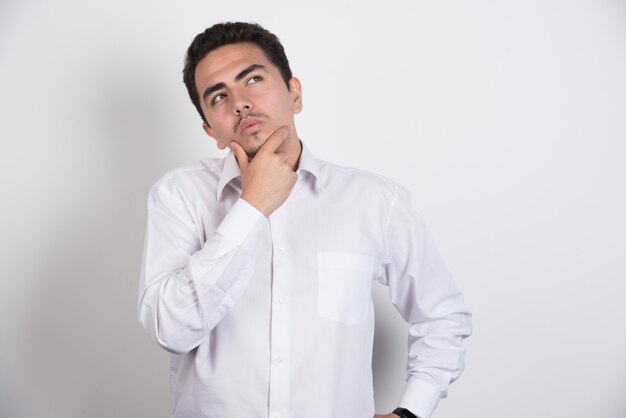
(279, 328)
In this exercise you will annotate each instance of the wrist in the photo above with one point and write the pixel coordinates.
(258, 206)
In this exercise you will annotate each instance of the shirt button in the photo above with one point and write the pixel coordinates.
(282, 250)
(282, 300)
(279, 359)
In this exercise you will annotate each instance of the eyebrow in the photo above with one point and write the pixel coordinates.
(238, 77)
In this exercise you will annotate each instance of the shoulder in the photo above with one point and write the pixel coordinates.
(339, 176)
(190, 179)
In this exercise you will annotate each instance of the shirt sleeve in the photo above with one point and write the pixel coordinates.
(424, 293)
(187, 286)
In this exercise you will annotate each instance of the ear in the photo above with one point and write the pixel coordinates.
(210, 132)
(295, 89)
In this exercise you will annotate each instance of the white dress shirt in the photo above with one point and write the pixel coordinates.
(274, 317)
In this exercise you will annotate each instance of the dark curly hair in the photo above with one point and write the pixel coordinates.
(231, 33)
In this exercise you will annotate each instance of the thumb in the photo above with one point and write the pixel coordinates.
(240, 154)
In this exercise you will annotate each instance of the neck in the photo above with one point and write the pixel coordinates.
(293, 148)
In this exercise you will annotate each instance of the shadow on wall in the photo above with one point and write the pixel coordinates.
(83, 349)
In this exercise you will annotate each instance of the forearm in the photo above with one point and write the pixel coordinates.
(435, 359)
(181, 308)
(186, 293)
(423, 291)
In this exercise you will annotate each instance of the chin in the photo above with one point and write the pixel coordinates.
(256, 140)
(252, 150)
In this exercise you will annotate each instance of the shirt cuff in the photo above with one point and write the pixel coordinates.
(243, 225)
(420, 395)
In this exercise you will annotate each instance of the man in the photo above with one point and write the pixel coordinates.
(258, 267)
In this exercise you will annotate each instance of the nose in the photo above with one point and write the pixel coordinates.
(241, 103)
(244, 108)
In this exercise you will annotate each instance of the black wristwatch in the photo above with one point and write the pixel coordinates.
(404, 413)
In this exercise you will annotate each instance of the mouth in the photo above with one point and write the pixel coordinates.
(249, 125)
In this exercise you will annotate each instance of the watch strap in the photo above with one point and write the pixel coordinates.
(404, 413)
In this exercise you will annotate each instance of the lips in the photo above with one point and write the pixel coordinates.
(249, 125)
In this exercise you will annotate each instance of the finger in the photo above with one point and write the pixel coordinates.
(240, 154)
(275, 139)
(283, 156)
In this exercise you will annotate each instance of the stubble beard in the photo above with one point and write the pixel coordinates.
(252, 152)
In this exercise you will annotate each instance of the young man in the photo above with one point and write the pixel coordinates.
(258, 267)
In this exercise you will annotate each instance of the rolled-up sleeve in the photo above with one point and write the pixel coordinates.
(187, 284)
(424, 293)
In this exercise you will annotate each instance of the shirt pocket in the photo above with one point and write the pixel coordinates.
(344, 286)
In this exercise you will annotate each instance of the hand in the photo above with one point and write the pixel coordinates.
(392, 415)
(268, 178)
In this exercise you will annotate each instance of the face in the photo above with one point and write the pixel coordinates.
(244, 98)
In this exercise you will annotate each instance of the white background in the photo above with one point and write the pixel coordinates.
(507, 121)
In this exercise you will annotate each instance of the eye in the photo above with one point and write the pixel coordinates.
(218, 98)
(255, 79)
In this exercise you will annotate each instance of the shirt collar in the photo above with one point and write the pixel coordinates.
(310, 164)
(231, 175)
